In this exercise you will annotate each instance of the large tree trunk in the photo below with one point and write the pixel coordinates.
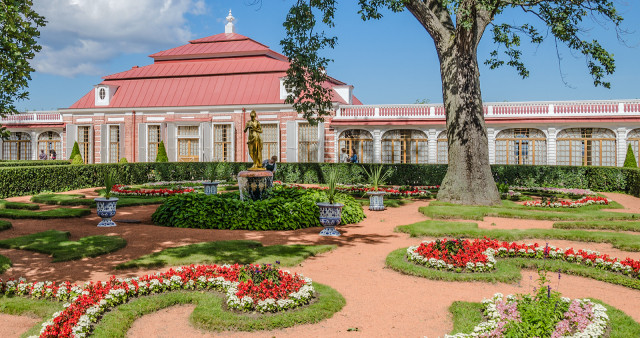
(468, 179)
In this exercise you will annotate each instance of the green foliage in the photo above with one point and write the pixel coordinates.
(47, 214)
(258, 274)
(210, 313)
(162, 153)
(377, 176)
(221, 252)
(77, 159)
(600, 225)
(77, 199)
(332, 181)
(287, 209)
(630, 159)
(212, 171)
(123, 160)
(57, 244)
(5, 264)
(18, 205)
(5, 225)
(467, 315)
(30, 163)
(19, 25)
(109, 182)
(75, 151)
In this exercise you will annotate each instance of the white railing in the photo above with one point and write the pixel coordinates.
(31, 118)
(494, 109)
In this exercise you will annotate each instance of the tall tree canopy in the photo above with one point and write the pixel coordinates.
(456, 27)
(19, 31)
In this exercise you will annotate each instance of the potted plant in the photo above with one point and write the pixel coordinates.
(376, 177)
(106, 206)
(331, 212)
(211, 187)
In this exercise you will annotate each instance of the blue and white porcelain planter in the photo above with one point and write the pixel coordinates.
(376, 200)
(330, 216)
(106, 208)
(211, 188)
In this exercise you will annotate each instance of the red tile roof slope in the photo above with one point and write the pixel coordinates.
(223, 69)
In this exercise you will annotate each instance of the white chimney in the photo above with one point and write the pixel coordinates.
(229, 28)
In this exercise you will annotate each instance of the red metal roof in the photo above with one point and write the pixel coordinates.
(223, 69)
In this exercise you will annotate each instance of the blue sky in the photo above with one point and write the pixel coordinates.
(389, 61)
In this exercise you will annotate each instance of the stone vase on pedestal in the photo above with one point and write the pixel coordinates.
(330, 216)
(376, 200)
(255, 184)
(211, 188)
(106, 208)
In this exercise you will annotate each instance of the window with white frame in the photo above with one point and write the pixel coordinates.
(307, 142)
(49, 143)
(521, 146)
(443, 148)
(188, 144)
(270, 140)
(405, 146)
(357, 141)
(84, 142)
(633, 138)
(586, 146)
(222, 143)
(17, 147)
(153, 142)
(114, 143)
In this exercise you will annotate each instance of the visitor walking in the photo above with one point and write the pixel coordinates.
(42, 155)
(52, 154)
(354, 157)
(270, 164)
(344, 157)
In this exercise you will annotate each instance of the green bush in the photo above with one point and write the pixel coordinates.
(77, 159)
(123, 160)
(161, 156)
(287, 209)
(29, 163)
(75, 151)
(630, 160)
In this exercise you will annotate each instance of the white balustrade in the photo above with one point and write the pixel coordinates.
(31, 118)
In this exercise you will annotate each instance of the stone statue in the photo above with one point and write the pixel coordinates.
(254, 141)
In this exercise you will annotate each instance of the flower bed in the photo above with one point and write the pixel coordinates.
(589, 200)
(572, 192)
(121, 190)
(627, 266)
(417, 192)
(454, 255)
(577, 318)
(247, 287)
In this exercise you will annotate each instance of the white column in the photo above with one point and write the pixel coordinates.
(432, 135)
(491, 136)
(377, 146)
(621, 144)
(551, 146)
(34, 146)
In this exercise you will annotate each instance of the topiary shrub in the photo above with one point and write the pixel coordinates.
(162, 153)
(77, 159)
(123, 160)
(630, 160)
(75, 151)
(287, 209)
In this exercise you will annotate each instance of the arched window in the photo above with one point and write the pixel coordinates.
(443, 148)
(49, 143)
(404, 146)
(586, 146)
(633, 138)
(17, 147)
(358, 141)
(521, 146)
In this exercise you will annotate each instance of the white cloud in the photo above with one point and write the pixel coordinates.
(83, 34)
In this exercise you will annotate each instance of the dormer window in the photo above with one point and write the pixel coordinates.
(103, 94)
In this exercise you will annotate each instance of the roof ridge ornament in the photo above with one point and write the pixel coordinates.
(229, 27)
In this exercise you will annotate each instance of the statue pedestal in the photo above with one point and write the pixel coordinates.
(255, 185)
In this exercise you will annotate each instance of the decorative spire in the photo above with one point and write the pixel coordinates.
(229, 28)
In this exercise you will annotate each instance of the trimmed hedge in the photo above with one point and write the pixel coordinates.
(18, 181)
(37, 163)
(286, 209)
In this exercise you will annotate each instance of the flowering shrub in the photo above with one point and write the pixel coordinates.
(589, 200)
(628, 266)
(571, 192)
(87, 303)
(578, 317)
(454, 255)
(416, 192)
(121, 190)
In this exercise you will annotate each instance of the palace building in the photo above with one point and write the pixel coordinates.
(192, 98)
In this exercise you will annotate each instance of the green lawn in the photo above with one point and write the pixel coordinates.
(5, 263)
(53, 213)
(600, 225)
(509, 209)
(466, 315)
(210, 313)
(57, 244)
(21, 306)
(18, 205)
(78, 199)
(5, 225)
(240, 251)
(389, 203)
(432, 228)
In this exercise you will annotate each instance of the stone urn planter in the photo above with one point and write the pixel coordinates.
(211, 188)
(106, 208)
(376, 200)
(330, 216)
